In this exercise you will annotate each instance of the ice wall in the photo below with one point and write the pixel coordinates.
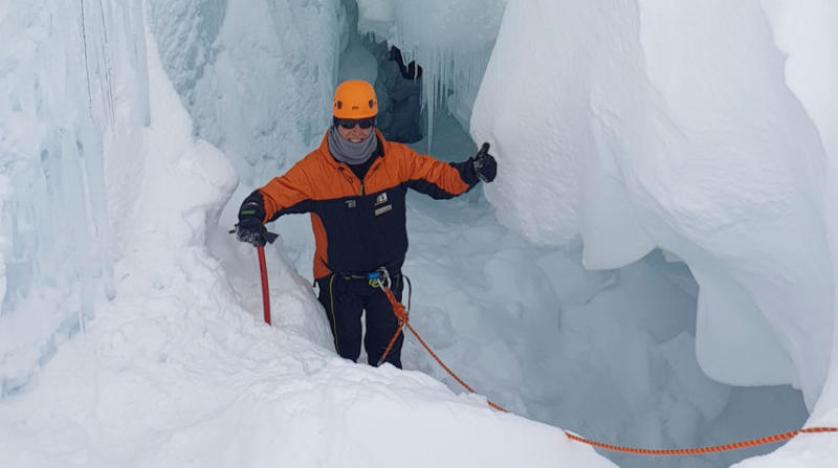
(452, 42)
(60, 65)
(172, 364)
(652, 123)
(806, 33)
(257, 79)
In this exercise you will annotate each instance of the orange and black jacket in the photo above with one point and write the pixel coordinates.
(359, 225)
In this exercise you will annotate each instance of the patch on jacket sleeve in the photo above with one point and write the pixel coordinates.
(383, 209)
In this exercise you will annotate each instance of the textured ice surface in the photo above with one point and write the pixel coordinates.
(257, 81)
(174, 363)
(675, 128)
(450, 40)
(609, 354)
(58, 120)
(173, 368)
(806, 33)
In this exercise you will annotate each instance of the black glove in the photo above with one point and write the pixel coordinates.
(250, 228)
(484, 164)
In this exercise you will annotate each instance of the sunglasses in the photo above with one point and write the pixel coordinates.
(351, 123)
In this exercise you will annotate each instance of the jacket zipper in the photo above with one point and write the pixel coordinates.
(363, 189)
(374, 166)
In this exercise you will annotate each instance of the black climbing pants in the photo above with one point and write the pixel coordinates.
(345, 299)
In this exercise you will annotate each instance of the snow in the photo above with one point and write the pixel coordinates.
(223, 59)
(452, 42)
(4, 241)
(130, 321)
(55, 119)
(678, 130)
(804, 33)
(537, 332)
(172, 371)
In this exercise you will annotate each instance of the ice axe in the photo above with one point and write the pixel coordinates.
(263, 273)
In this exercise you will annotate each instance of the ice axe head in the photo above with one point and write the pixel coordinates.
(269, 236)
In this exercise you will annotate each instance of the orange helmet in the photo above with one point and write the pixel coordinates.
(355, 99)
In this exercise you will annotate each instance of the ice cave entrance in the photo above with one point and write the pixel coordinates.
(607, 354)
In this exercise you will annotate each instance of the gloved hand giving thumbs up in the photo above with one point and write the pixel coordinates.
(484, 164)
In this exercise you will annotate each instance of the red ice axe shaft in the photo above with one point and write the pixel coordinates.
(263, 271)
(270, 237)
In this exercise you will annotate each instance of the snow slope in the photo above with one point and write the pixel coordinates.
(640, 124)
(173, 372)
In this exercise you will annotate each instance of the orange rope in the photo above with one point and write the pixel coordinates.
(401, 314)
(773, 439)
(391, 344)
(454, 376)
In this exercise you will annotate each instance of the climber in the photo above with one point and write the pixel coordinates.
(354, 187)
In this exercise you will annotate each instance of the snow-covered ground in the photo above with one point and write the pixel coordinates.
(532, 329)
(130, 330)
(173, 372)
(692, 142)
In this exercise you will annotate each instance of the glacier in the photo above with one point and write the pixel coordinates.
(690, 128)
(691, 142)
(139, 366)
(451, 40)
(666, 190)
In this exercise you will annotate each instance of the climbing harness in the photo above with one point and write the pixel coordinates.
(381, 281)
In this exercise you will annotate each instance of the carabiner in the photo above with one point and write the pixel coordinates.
(380, 278)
